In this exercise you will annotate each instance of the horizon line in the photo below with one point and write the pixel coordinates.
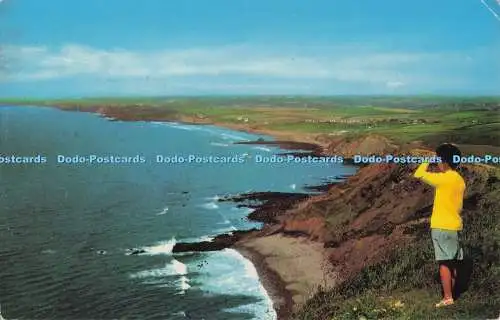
(288, 96)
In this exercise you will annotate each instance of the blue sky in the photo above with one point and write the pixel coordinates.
(61, 48)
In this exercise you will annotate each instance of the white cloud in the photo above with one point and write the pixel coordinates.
(342, 64)
(394, 84)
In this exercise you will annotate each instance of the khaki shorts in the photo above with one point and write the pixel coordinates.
(446, 245)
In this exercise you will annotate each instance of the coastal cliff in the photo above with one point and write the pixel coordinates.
(361, 249)
(317, 243)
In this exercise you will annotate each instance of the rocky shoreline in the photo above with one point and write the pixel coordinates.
(281, 270)
(349, 225)
(268, 208)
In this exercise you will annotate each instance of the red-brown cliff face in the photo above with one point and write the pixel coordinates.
(362, 219)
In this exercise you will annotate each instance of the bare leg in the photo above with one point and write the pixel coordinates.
(446, 281)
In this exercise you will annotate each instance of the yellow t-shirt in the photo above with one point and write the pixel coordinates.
(448, 197)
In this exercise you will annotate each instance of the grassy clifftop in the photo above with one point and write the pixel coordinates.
(401, 286)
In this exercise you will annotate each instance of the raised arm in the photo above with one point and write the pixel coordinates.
(432, 178)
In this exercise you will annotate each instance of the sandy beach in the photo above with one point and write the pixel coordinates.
(291, 269)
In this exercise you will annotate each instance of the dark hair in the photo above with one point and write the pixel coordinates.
(446, 152)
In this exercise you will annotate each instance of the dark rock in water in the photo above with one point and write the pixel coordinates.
(200, 246)
(327, 185)
(268, 205)
(135, 251)
(220, 242)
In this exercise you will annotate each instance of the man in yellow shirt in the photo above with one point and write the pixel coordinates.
(446, 222)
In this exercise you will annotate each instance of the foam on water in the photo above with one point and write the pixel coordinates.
(212, 130)
(199, 239)
(218, 144)
(262, 149)
(1, 317)
(177, 125)
(183, 284)
(179, 267)
(162, 247)
(210, 206)
(167, 270)
(225, 222)
(158, 276)
(214, 198)
(222, 275)
(233, 137)
(156, 123)
(180, 313)
(229, 229)
(164, 211)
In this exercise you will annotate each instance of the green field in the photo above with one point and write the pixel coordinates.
(464, 120)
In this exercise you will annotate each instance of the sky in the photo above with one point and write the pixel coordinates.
(79, 48)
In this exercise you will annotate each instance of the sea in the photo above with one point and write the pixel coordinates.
(67, 229)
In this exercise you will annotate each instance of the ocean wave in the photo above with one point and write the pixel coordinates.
(251, 271)
(162, 247)
(180, 313)
(183, 284)
(233, 137)
(225, 222)
(210, 206)
(293, 186)
(214, 198)
(179, 267)
(222, 275)
(1, 317)
(229, 229)
(262, 149)
(156, 276)
(219, 144)
(198, 239)
(164, 211)
(224, 196)
(243, 210)
(157, 123)
(180, 126)
(174, 268)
